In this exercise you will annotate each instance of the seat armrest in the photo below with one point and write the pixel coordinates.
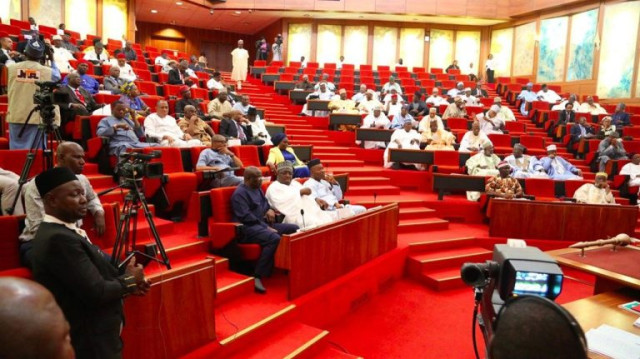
(221, 233)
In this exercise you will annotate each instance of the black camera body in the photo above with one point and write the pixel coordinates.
(45, 97)
(135, 166)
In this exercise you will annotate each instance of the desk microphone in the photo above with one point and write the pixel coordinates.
(302, 213)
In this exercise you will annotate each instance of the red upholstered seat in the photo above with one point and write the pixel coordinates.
(454, 71)
(446, 162)
(111, 215)
(249, 156)
(147, 87)
(632, 131)
(200, 93)
(418, 70)
(534, 144)
(260, 63)
(457, 123)
(313, 65)
(13, 160)
(541, 188)
(9, 255)
(501, 143)
(277, 63)
(365, 67)
(515, 127)
(221, 229)
(435, 70)
(172, 90)
(286, 77)
(570, 187)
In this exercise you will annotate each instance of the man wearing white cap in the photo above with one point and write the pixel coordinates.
(527, 95)
(505, 112)
(406, 138)
(456, 109)
(394, 106)
(490, 123)
(376, 119)
(503, 185)
(400, 118)
(524, 166)
(595, 193)
(457, 91)
(392, 84)
(343, 104)
(435, 99)
(61, 56)
(322, 93)
(369, 103)
(468, 98)
(436, 138)
(557, 167)
(473, 140)
(425, 123)
(484, 163)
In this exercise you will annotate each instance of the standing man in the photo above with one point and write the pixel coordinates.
(490, 66)
(250, 207)
(240, 59)
(85, 284)
(22, 77)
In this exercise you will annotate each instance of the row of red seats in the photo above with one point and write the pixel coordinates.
(363, 67)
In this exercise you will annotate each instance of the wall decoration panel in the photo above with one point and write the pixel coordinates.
(440, 48)
(46, 12)
(114, 15)
(299, 42)
(80, 16)
(468, 51)
(10, 9)
(553, 43)
(412, 47)
(501, 48)
(525, 43)
(329, 41)
(356, 44)
(385, 41)
(582, 45)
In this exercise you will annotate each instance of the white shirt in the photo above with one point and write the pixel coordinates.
(594, 110)
(633, 171)
(325, 191)
(61, 56)
(158, 127)
(126, 72)
(486, 126)
(359, 97)
(401, 139)
(375, 122)
(388, 86)
(163, 62)
(72, 226)
(436, 100)
(394, 110)
(469, 100)
(92, 56)
(550, 96)
(426, 121)
(469, 140)
(561, 106)
(490, 64)
(259, 129)
(287, 200)
(454, 92)
(212, 84)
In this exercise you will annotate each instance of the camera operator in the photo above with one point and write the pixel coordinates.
(262, 49)
(276, 48)
(22, 86)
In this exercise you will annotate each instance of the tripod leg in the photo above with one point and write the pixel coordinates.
(154, 230)
(120, 244)
(24, 175)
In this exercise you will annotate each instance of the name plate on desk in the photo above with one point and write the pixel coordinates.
(318, 105)
(412, 156)
(345, 119)
(373, 134)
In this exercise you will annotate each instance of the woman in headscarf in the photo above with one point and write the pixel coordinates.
(130, 96)
(283, 152)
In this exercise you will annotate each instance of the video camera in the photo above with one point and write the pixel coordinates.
(45, 97)
(134, 166)
(279, 39)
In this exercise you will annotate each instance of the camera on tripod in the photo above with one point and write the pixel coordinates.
(45, 97)
(135, 166)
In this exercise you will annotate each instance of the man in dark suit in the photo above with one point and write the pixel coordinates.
(6, 50)
(80, 101)
(418, 107)
(478, 91)
(579, 131)
(565, 117)
(114, 82)
(619, 117)
(88, 288)
(178, 74)
(186, 100)
(234, 125)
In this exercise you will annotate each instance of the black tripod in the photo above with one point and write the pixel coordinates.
(46, 130)
(125, 244)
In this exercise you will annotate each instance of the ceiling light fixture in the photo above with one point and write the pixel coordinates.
(179, 3)
(237, 12)
(154, 11)
(210, 11)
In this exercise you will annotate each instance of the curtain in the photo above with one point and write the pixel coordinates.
(385, 41)
(468, 51)
(441, 48)
(501, 47)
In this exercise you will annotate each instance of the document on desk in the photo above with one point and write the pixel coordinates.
(613, 342)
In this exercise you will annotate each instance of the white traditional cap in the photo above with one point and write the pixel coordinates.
(529, 84)
(467, 89)
(342, 91)
(494, 108)
(371, 91)
(497, 99)
(56, 37)
(460, 84)
(487, 144)
(377, 108)
(552, 148)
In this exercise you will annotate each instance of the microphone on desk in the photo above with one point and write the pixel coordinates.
(302, 213)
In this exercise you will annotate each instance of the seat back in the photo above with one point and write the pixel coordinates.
(532, 142)
(570, 187)
(365, 67)
(515, 126)
(13, 160)
(540, 187)
(171, 90)
(171, 158)
(458, 123)
(248, 155)
(260, 63)
(147, 87)
(9, 253)
(221, 203)
(500, 140)
(446, 158)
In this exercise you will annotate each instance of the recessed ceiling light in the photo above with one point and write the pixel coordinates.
(362, 17)
(154, 11)
(237, 12)
(306, 15)
(178, 3)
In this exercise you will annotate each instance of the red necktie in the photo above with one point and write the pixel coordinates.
(79, 96)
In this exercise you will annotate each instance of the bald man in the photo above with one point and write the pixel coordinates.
(33, 325)
(70, 155)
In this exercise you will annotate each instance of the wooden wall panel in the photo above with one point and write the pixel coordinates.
(359, 5)
(426, 7)
(453, 8)
(391, 6)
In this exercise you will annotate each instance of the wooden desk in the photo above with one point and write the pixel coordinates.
(337, 119)
(411, 156)
(257, 71)
(282, 86)
(611, 274)
(317, 105)
(603, 309)
(176, 317)
(322, 254)
(373, 134)
(268, 79)
(443, 183)
(559, 220)
(299, 96)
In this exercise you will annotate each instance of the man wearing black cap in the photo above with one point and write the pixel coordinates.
(22, 78)
(88, 288)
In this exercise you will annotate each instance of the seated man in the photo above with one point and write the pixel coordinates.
(219, 106)
(8, 190)
(399, 119)
(503, 185)
(573, 99)
(61, 55)
(468, 98)
(258, 126)
(437, 139)
(322, 93)
(236, 126)
(456, 109)
(98, 56)
(524, 166)
(129, 52)
(453, 66)
(548, 95)
(163, 60)
(126, 71)
(483, 163)
(425, 123)
(326, 190)
(220, 159)
(490, 123)
(377, 119)
(243, 105)
(294, 201)
(478, 91)
(325, 79)
(81, 103)
(369, 104)
(435, 99)
(457, 91)
(305, 84)
(67, 44)
(592, 107)
(250, 207)
(343, 105)
(557, 167)
(87, 82)
(631, 169)
(71, 156)
(163, 128)
(595, 193)
(405, 138)
(620, 118)
(360, 95)
(392, 84)
(394, 106)
(473, 140)
(526, 96)
(417, 107)
(113, 82)
(123, 133)
(186, 100)
(611, 148)
(505, 112)
(216, 83)
(582, 130)
(194, 126)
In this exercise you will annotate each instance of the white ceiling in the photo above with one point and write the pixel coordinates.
(251, 22)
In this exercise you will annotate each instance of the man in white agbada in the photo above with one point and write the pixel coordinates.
(394, 106)
(164, 128)
(291, 199)
(406, 138)
(240, 60)
(327, 192)
(473, 140)
(61, 56)
(437, 139)
(592, 107)
(548, 95)
(526, 95)
(632, 169)
(392, 84)
(377, 119)
(490, 123)
(562, 105)
(370, 103)
(361, 95)
(258, 126)
(126, 71)
(484, 163)
(426, 121)
(468, 98)
(457, 91)
(325, 79)
(524, 166)
(595, 193)
(322, 93)
(505, 112)
(435, 99)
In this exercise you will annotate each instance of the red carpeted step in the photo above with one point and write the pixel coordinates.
(311, 142)
(368, 181)
(99, 181)
(231, 285)
(90, 169)
(329, 149)
(444, 258)
(326, 351)
(422, 225)
(442, 279)
(296, 132)
(342, 162)
(378, 190)
(333, 156)
(290, 341)
(416, 213)
(307, 137)
(440, 244)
